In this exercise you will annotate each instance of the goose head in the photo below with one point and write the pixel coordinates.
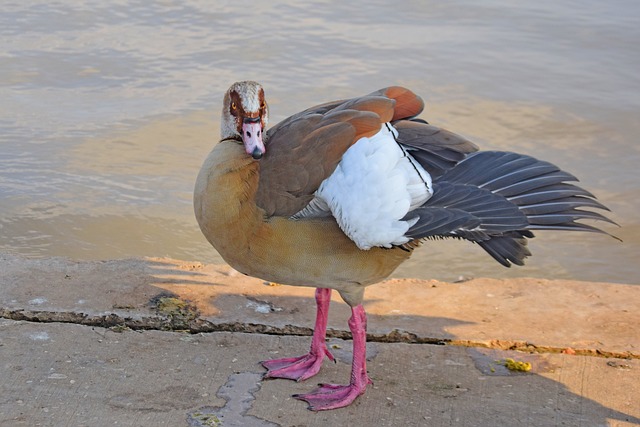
(244, 117)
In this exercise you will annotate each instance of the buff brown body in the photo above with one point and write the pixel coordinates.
(312, 253)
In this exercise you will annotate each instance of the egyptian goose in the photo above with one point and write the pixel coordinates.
(339, 195)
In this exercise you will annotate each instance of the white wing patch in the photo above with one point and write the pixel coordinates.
(374, 186)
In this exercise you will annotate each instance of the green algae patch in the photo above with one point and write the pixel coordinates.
(178, 312)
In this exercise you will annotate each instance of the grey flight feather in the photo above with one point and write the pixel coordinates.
(495, 198)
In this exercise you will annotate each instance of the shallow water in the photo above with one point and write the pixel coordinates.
(108, 109)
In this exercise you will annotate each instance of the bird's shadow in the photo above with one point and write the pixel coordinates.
(543, 400)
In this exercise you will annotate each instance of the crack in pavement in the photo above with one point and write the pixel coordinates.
(239, 394)
(117, 321)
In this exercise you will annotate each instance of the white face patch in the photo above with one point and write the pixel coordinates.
(249, 93)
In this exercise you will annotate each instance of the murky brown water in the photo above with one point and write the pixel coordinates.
(108, 109)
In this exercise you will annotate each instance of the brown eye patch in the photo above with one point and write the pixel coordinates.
(235, 107)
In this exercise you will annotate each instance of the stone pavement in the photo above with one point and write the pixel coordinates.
(161, 342)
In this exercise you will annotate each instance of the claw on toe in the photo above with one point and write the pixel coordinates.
(332, 396)
(296, 368)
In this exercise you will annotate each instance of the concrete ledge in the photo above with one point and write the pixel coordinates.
(70, 357)
(528, 314)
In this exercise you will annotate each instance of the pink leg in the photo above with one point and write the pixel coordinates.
(332, 396)
(303, 367)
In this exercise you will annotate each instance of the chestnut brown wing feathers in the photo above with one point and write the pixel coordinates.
(305, 149)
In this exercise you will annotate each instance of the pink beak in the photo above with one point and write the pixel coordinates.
(252, 137)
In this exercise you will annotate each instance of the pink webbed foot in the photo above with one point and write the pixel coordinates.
(297, 368)
(304, 367)
(333, 396)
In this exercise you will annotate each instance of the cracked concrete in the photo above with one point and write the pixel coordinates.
(238, 392)
(165, 342)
